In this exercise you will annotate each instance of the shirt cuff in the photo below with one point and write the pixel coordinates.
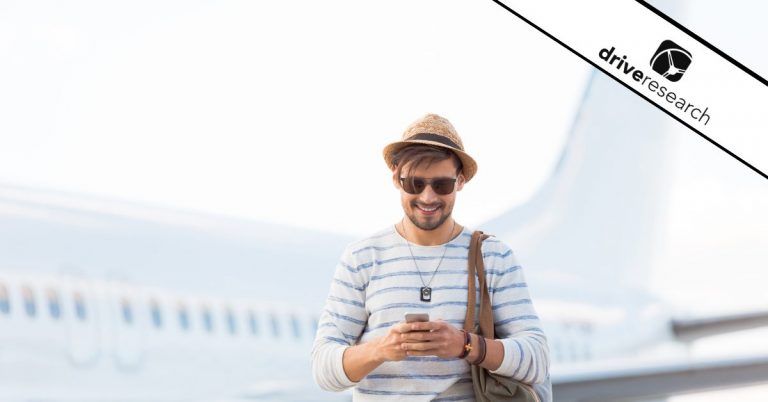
(513, 358)
(341, 376)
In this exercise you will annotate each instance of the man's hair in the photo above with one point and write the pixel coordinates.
(414, 156)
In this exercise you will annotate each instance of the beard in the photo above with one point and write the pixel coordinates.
(428, 224)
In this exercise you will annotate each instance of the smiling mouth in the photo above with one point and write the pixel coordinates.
(427, 209)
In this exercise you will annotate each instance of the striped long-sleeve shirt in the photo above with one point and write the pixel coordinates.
(377, 282)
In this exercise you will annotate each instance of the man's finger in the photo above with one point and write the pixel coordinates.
(419, 353)
(418, 336)
(401, 327)
(419, 346)
(424, 326)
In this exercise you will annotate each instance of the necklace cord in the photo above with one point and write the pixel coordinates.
(445, 248)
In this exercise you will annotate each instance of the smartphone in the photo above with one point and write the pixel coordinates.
(416, 317)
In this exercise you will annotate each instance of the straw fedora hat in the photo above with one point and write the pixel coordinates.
(437, 131)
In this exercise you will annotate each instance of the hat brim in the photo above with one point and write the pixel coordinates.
(469, 166)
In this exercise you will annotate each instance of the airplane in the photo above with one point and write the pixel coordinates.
(103, 299)
(116, 301)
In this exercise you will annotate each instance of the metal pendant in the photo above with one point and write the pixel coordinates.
(426, 294)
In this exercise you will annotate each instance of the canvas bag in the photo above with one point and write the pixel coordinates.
(488, 387)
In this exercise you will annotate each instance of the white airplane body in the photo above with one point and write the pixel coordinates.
(103, 300)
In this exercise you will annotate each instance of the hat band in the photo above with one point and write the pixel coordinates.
(436, 138)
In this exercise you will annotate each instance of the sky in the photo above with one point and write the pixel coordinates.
(270, 113)
(278, 112)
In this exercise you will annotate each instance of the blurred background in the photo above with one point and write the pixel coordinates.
(277, 113)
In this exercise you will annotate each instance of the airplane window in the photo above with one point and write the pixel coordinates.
(253, 323)
(29, 300)
(79, 306)
(5, 306)
(125, 307)
(207, 319)
(54, 306)
(183, 317)
(296, 327)
(157, 319)
(275, 325)
(231, 322)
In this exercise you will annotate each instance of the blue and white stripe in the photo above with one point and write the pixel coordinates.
(376, 282)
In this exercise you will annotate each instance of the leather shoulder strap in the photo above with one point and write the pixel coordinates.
(486, 313)
(476, 269)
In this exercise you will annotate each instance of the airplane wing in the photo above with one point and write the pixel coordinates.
(687, 330)
(619, 381)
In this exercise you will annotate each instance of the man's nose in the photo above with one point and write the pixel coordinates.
(428, 196)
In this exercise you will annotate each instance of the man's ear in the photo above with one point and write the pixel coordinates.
(460, 182)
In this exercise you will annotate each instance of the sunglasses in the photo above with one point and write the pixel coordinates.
(415, 185)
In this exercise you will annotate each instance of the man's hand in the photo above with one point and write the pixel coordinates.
(433, 338)
(389, 347)
(439, 339)
(361, 359)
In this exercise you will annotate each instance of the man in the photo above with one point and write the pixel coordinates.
(419, 265)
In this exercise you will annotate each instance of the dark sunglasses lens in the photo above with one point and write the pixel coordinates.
(417, 185)
(443, 186)
(408, 185)
(412, 185)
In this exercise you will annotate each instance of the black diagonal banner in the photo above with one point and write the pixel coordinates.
(668, 65)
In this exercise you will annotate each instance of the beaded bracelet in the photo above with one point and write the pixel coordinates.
(467, 345)
(483, 351)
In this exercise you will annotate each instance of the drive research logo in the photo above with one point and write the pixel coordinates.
(672, 68)
(671, 60)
